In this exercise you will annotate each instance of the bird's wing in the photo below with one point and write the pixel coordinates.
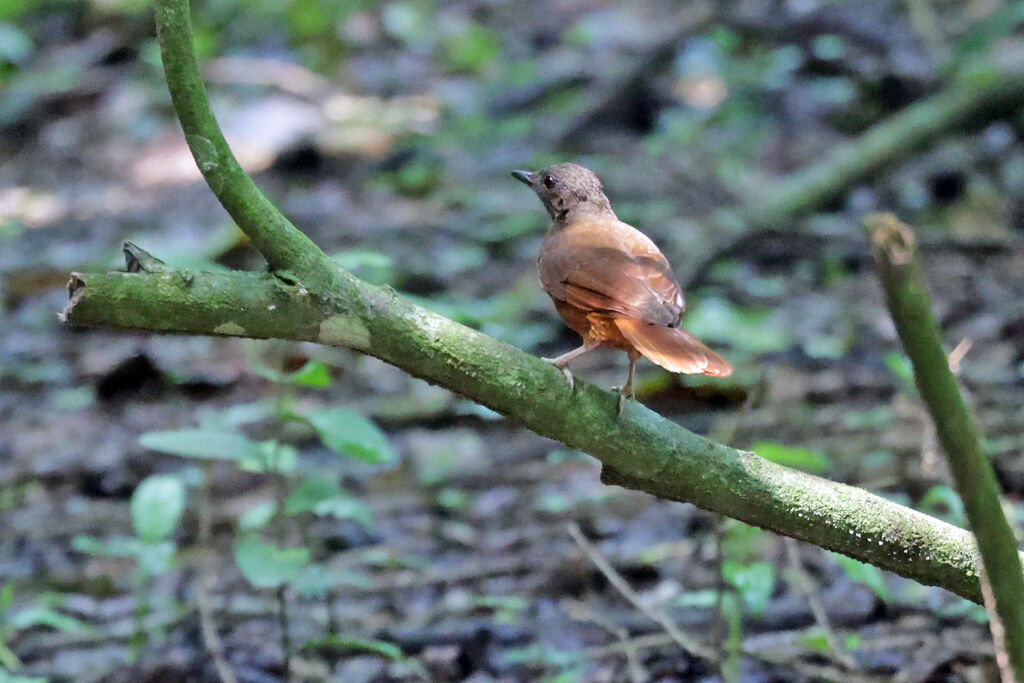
(612, 268)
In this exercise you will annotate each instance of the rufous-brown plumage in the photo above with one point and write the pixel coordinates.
(609, 281)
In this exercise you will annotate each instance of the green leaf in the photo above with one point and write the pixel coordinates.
(380, 647)
(960, 608)
(44, 616)
(316, 579)
(271, 456)
(900, 366)
(372, 266)
(793, 456)
(866, 574)
(324, 498)
(944, 503)
(701, 599)
(157, 505)
(15, 44)
(312, 374)
(202, 443)
(156, 558)
(743, 542)
(6, 598)
(9, 662)
(311, 492)
(474, 48)
(755, 331)
(346, 432)
(815, 639)
(265, 565)
(755, 582)
(257, 516)
(228, 419)
(118, 546)
(153, 557)
(12, 10)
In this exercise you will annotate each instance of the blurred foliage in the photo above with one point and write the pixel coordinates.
(350, 644)
(805, 459)
(865, 574)
(733, 109)
(344, 432)
(42, 611)
(944, 503)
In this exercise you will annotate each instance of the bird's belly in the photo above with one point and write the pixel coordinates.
(597, 329)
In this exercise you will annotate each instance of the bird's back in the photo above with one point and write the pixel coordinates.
(599, 263)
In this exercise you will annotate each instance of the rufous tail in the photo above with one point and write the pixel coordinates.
(672, 348)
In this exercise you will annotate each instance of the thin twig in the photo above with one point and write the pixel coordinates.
(578, 611)
(211, 639)
(281, 526)
(286, 636)
(725, 640)
(995, 626)
(684, 641)
(781, 653)
(805, 584)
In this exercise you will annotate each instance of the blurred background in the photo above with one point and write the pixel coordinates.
(172, 501)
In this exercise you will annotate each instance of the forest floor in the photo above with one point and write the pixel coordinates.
(467, 565)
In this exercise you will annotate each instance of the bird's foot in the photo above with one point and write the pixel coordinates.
(564, 367)
(625, 393)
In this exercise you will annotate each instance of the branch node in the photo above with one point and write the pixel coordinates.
(76, 288)
(138, 260)
(891, 239)
(287, 277)
(613, 477)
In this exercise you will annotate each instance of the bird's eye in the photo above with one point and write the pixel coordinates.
(549, 181)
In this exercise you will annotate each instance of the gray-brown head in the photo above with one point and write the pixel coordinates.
(567, 189)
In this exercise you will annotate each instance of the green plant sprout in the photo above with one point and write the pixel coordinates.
(268, 551)
(42, 612)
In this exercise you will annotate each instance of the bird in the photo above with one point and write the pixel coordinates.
(609, 282)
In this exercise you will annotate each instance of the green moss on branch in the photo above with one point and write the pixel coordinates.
(640, 449)
(969, 100)
(894, 247)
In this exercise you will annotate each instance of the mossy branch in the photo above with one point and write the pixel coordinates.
(308, 297)
(893, 244)
(639, 449)
(973, 96)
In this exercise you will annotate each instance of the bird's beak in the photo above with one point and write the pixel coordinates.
(523, 177)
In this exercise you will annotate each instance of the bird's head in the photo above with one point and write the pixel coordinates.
(567, 189)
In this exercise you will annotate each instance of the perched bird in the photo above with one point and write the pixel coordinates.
(609, 281)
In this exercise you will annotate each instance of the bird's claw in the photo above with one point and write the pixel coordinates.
(625, 393)
(565, 371)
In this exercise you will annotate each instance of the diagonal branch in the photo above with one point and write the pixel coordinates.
(895, 250)
(639, 449)
(283, 245)
(975, 94)
(308, 297)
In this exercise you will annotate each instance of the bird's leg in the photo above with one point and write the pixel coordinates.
(562, 363)
(627, 391)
